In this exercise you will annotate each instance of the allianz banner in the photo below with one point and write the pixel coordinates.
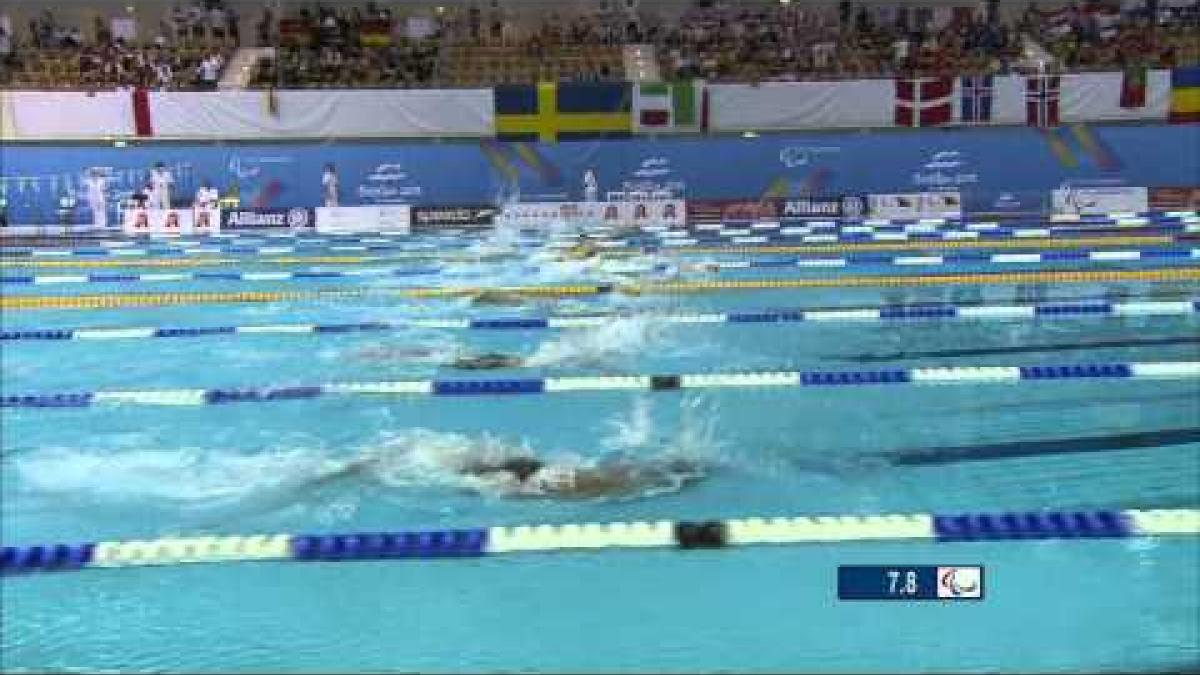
(849, 206)
(266, 219)
(438, 217)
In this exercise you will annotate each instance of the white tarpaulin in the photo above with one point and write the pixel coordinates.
(801, 105)
(55, 115)
(323, 113)
(363, 219)
(1097, 96)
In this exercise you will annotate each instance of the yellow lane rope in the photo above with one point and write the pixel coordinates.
(113, 300)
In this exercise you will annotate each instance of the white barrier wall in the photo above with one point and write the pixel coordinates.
(57, 115)
(314, 113)
(318, 113)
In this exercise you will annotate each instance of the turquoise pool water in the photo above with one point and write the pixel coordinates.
(135, 472)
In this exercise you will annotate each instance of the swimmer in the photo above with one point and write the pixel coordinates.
(530, 477)
(487, 361)
(582, 250)
(388, 353)
(497, 297)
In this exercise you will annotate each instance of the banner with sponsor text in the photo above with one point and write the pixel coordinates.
(267, 219)
(395, 219)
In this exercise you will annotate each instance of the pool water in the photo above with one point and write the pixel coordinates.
(105, 473)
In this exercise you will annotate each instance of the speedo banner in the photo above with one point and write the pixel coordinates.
(434, 217)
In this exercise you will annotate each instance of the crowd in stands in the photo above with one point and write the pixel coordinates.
(1107, 35)
(184, 54)
(474, 44)
(355, 47)
(721, 41)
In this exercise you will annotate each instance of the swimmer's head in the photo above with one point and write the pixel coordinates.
(521, 467)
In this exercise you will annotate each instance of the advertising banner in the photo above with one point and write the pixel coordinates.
(363, 219)
(1096, 200)
(671, 212)
(436, 217)
(703, 211)
(266, 219)
(1175, 198)
(916, 205)
(849, 206)
(170, 222)
(749, 210)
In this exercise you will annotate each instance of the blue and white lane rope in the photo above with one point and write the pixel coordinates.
(709, 534)
(760, 233)
(975, 375)
(888, 313)
(947, 260)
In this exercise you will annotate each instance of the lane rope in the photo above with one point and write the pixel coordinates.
(1168, 370)
(624, 247)
(960, 259)
(685, 535)
(926, 312)
(13, 302)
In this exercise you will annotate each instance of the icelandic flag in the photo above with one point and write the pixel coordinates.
(976, 100)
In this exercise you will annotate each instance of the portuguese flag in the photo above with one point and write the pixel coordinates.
(1133, 86)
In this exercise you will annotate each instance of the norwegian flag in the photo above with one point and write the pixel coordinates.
(976, 98)
(1041, 100)
(924, 101)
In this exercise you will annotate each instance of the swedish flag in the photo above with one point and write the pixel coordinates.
(568, 111)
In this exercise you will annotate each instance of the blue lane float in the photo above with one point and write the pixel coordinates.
(861, 260)
(975, 375)
(690, 535)
(886, 313)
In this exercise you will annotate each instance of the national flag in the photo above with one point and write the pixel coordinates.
(1133, 86)
(553, 111)
(661, 106)
(1185, 95)
(1041, 100)
(924, 101)
(976, 95)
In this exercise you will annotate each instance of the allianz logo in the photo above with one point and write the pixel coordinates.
(256, 218)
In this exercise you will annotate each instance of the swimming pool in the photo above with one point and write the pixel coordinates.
(137, 469)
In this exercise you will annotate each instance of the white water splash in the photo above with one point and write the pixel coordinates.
(601, 346)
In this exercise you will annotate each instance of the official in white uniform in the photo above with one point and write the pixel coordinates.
(97, 194)
(206, 197)
(330, 183)
(161, 180)
(591, 188)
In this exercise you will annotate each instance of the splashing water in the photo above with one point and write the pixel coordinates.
(601, 346)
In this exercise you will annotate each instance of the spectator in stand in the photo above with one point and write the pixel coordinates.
(210, 71)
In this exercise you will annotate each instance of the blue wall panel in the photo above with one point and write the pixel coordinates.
(1013, 166)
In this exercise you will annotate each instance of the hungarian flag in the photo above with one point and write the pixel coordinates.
(924, 101)
(1041, 100)
(661, 106)
(1133, 87)
(976, 93)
